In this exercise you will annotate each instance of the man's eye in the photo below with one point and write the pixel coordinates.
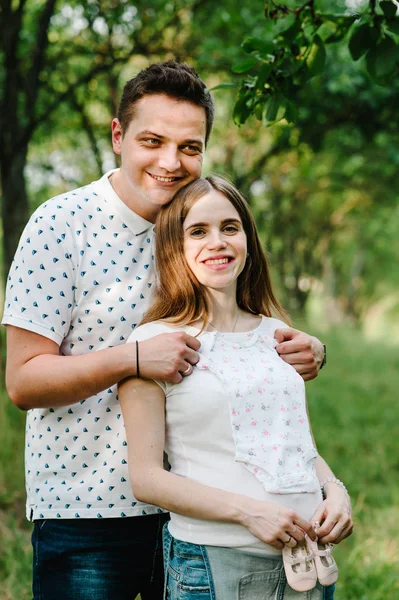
(152, 142)
(192, 149)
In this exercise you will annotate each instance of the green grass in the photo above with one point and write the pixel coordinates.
(15, 550)
(354, 411)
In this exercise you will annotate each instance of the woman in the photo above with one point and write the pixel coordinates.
(245, 480)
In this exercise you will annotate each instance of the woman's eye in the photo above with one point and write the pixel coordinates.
(231, 229)
(197, 232)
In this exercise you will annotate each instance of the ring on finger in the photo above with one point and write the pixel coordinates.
(186, 371)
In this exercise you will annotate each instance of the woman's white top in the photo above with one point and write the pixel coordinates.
(239, 423)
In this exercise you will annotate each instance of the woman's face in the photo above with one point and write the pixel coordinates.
(215, 244)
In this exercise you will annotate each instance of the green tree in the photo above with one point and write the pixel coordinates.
(292, 50)
(50, 54)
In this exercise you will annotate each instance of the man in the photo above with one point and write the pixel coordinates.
(80, 281)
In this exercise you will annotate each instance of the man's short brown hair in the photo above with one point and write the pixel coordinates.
(171, 78)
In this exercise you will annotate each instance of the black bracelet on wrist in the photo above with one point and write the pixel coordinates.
(137, 360)
(324, 361)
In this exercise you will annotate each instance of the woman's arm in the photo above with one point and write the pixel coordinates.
(335, 513)
(143, 407)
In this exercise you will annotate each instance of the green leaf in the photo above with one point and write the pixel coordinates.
(263, 75)
(327, 30)
(394, 26)
(274, 109)
(389, 9)
(289, 66)
(252, 44)
(362, 39)
(316, 58)
(258, 111)
(382, 61)
(283, 25)
(290, 34)
(243, 107)
(244, 65)
(227, 84)
(269, 108)
(335, 30)
(291, 114)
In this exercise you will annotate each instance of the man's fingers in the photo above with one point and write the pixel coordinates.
(295, 347)
(192, 342)
(285, 333)
(188, 369)
(177, 377)
(191, 356)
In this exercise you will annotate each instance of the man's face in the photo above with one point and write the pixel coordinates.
(161, 151)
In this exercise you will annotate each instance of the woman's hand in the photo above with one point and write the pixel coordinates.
(275, 524)
(334, 515)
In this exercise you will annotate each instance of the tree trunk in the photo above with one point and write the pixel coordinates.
(15, 206)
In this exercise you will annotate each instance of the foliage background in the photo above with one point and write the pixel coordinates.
(323, 189)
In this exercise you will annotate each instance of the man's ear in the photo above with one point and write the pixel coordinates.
(116, 136)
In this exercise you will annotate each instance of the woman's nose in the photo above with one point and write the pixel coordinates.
(216, 240)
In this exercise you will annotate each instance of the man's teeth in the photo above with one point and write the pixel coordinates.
(165, 179)
(217, 261)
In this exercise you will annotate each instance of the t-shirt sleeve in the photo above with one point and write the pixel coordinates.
(271, 324)
(145, 332)
(40, 292)
(277, 324)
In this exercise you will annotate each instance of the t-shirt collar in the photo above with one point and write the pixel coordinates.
(135, 223)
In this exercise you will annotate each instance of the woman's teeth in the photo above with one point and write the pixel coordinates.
(217, 261)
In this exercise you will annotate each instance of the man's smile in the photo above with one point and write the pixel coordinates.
(163, 179)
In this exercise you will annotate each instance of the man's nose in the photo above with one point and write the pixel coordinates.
(169, 159)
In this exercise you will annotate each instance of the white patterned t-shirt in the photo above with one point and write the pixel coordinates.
(238, 423)
(82, 277)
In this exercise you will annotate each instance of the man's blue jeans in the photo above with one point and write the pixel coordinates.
(98, 559)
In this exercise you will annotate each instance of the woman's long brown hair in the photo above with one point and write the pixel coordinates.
(179, 297)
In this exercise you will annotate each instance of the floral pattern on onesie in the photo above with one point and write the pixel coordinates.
(268, 414)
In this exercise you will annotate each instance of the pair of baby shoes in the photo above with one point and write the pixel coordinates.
(306, 563)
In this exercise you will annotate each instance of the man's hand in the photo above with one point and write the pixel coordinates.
(168, 356)
(302, 351)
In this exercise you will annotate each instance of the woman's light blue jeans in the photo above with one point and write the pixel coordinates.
(194, 572)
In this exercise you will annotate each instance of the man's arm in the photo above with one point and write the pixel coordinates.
(37, 376)
(302, 351)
